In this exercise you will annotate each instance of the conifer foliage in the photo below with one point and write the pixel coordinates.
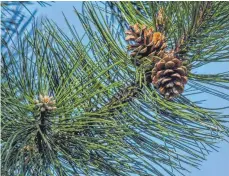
(119, 104)
(50, 120)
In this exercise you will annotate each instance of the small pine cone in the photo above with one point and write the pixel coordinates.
(161, 20)
(45, 103)
(147, 43)
(28, 148)
(169, 76)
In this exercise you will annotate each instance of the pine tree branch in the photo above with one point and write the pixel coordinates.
(66, 138)
(124, 95)
(150, 112)
(42, 126)
(150, 132)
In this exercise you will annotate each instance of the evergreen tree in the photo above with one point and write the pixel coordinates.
(70, 108)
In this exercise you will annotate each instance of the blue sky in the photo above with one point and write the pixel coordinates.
(217, 163)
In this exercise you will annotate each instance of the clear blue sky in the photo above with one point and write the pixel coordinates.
(217, 163)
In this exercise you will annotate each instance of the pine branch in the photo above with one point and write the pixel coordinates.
(69, 139)
(206, 30)
(150, 112)
(123, 96)
(96, 124)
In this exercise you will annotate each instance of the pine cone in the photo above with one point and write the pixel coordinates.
(169, 76)
(146, 41)
(161, 20)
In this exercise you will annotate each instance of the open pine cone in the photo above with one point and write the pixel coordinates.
(146, 41)
(169, 76)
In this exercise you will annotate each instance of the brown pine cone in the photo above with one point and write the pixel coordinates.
(146, 42)
(169, 76)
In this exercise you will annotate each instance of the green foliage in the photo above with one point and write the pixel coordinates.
(179, 124)
(108, 120)
(203, 27)
(76, 139)
(16, 17)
